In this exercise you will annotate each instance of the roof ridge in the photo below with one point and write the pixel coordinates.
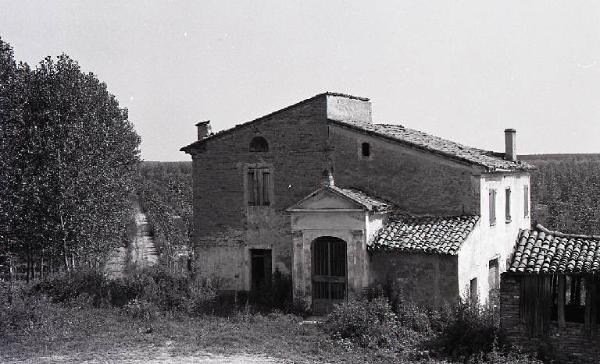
(400, 213)
(565, 235)
(271, 114)
(473, 156)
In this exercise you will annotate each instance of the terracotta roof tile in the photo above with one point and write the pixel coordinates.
(370, 202)
(491, 160)
(540, 250)
(430, 234)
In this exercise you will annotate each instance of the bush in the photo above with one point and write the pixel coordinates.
(369, 324)
(67, 287)
(471, 330)
(141, 309)
(276, 294)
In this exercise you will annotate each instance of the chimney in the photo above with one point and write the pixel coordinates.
(510, 143)
(327, 179)
(203, 129)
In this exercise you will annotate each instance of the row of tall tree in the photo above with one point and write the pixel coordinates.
(69, 159)
(166, 197)
(566, 192)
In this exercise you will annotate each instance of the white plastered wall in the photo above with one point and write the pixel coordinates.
(487, 242)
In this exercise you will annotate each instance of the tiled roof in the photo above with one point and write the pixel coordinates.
(430, 234)
(370, 202)
(542, 251)
(491, 160)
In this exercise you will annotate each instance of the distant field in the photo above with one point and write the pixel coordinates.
(559, 157)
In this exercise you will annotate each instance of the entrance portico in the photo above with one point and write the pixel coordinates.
(330, 230)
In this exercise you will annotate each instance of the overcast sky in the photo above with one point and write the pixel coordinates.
(462, 70)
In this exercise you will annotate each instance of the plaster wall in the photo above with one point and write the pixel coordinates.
(487, 241)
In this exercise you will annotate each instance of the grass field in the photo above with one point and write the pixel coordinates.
(71, 334)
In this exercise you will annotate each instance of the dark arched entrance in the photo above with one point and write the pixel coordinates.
(329, 273)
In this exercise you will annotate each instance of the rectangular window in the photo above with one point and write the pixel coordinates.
(259, 187)
(493, 279)
(492, 204)
(526, 201)
(507, 205)
(474, 296)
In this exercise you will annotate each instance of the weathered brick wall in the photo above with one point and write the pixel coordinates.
(570, 344)
(417, 181)
(427, 279)
(297, 154)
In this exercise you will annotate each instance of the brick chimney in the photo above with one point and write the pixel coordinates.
(510, 143)
(203, 129)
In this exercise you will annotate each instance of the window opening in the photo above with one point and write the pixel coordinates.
(492, 205)
(259, 144)
(366, 149)
(258, 184)
(507, 205)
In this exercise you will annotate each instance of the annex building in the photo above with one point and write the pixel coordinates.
(320, 192)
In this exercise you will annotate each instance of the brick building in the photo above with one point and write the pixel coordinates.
(318, 191)
(550, 295)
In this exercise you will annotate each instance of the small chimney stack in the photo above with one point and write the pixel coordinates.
(510, 143)
(327, 179)
(203, 129)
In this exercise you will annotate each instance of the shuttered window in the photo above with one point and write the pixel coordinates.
(526, 201)
(492, 205)
(259, 187)
(507, 205)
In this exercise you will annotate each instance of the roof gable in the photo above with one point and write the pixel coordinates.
(326, 199)
(332, 197)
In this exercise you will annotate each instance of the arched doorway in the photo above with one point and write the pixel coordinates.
(329, 273)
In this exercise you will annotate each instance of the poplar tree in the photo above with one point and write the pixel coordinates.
(71, 160)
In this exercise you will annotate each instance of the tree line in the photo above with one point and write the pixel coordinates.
(566, 192)
(165, 190)
(69, 159)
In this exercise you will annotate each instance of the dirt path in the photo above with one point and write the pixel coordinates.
(142, 251)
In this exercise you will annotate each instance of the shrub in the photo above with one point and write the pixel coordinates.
(370, 324)
(68, 286)
(203, 298)
(276, 294)
(141, 309)
(471, 330)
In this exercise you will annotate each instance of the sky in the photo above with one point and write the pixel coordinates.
(462, 70)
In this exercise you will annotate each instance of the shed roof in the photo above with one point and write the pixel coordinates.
(543, 251)
(429, 234)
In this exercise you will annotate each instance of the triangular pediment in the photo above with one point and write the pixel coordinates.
(326, 199)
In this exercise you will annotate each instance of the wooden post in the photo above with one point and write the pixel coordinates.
(588, 304)
(561, 301)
